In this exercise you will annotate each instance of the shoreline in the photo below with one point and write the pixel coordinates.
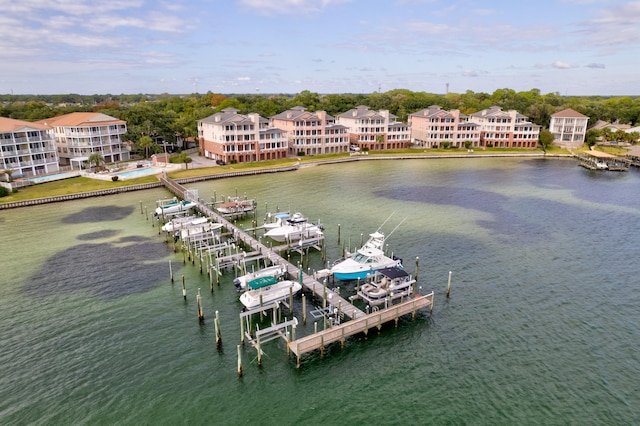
(361, 157)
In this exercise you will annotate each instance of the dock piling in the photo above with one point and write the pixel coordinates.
(184, 290)
(449, 285)
(239, 361)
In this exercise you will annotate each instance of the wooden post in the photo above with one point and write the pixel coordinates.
(239, 362)
(170, 272)
(141, 211)
(304, 309)
(241, 330)
(324, 294)
(449, 285)
(291, 300)
(415, 275)
(199, 306)
(258, 347)
(184, 290)
(338, 233)
(146, 211)
(218, 335)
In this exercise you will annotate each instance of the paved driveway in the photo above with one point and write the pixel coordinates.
(199, 162)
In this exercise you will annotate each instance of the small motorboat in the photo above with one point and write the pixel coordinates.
(275, 271)
(269, 294)
(366, 260)
(386, 285)
(174, 207)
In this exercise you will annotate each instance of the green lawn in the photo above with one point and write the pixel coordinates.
(82, 184)
(70, 186)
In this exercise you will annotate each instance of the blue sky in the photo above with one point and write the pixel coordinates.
(573, 47)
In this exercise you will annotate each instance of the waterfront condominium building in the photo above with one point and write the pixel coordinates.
(80, 134)
(374, 130)
(569, 128)
(505, 129)
(28, 149)
(236, 138)
(311, 132)
(433, 126)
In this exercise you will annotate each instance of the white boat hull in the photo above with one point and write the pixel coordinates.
(281, 291)
(271, 271)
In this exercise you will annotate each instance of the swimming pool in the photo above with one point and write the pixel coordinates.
(52, 177)
(145, 171)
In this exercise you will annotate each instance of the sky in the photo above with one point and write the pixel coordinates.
(570, 47)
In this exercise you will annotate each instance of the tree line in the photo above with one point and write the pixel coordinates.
(171, 116)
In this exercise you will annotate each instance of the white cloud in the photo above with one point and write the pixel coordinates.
(288, 7)
(561, 65)
(595, 65)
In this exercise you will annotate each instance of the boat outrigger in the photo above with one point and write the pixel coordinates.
(367, 259)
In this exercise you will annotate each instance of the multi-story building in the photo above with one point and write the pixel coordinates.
(28, 149)
(79, 134)
(505, 129)
(311, 133)
(231, 137)
(374, 130)
(433, 126)
(569, 128)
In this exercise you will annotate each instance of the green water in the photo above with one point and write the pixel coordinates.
(541, 326)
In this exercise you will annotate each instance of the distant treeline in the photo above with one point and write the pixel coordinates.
(167, 115)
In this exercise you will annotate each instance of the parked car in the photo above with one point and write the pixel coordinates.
(220, 163)
(354, 148)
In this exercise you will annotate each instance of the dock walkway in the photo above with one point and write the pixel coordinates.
(360, 322)
(308, 282)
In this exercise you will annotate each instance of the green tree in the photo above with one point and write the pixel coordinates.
(545, 139)
(146, 144)
(96, 159)
(184, 158)
(592, 136)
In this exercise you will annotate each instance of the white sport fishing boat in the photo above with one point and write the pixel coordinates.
(273, 293)
(366, 260)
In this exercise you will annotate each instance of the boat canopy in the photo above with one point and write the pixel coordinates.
(261, 282)
(393, 272)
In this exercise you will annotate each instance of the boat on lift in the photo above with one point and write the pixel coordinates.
(295, 228)
(176, 206)
(386, 285)
(273, 293)
(178, 223)
(275, 271)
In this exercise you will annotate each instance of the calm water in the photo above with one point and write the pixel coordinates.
(542, 327)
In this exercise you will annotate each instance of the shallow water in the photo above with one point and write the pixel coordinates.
(542, 326)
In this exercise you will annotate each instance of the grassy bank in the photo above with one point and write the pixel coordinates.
(82, 184)
(70, 186)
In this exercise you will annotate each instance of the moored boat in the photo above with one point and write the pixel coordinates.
(294, 228)
(182, 222)
(386, 284)
(273, 293)
(276, 271)
(366, 260)
(174, 207)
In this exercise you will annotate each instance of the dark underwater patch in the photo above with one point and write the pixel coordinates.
(99, 214)
(107, 233)
(107, 271)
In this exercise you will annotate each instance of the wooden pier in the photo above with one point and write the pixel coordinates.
(360, 322)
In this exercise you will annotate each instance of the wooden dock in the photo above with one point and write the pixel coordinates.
(360, 322)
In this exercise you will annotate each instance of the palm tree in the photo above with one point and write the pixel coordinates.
(184, 158)
(146, 143)
(96, 159)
